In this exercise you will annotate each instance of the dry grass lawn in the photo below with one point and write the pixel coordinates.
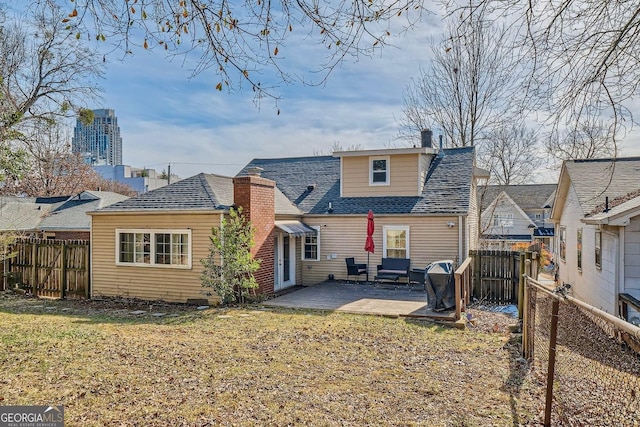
(251, 366)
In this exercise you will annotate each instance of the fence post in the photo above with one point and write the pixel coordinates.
(525, 322)
(63, 272)
(552, 361)
(476, 288)
(458, 293)
(521, 286)
(34, 268)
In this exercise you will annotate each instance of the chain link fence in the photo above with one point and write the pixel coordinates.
(588, 360)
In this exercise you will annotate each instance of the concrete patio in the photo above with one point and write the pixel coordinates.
(392, 301)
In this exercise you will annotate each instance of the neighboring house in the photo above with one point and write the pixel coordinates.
(69, 220)
(24, 214)
(140, 180)
(516, 214)
(59, 217)
(310, 213)
(598, 229)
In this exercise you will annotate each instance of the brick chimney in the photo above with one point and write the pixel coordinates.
(426, 136)
(256, 196)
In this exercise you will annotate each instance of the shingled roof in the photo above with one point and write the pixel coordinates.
(528, 196)
(72, 214)
(199, 192)
(202, 192)
(26, 213)
(53, 213)
(312, 182)
(595, 179)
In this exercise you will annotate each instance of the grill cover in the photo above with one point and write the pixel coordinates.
(439, 283)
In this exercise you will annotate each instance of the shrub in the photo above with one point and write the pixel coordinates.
(230, 266)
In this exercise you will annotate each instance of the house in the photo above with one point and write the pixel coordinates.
(597, 220)
(24, 214)
(59, 217)
(150, 246)
(69, 220)
(512, 214)
(310, 213)
(423, 201)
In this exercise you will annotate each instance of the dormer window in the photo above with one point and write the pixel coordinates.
(379, 170)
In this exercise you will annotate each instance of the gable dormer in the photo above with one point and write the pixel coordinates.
(385, 172)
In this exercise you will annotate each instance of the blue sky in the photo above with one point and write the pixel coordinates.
(166, 117)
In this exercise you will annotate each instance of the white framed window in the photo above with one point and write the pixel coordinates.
(396, 241)
(159, 248)
(563, 243)
(379, 170)
(579, 248)
(311, 249)
(504, 220)
(598, 250)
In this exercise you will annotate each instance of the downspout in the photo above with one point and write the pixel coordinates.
(621, 263)
(460, 241)
(90, 266)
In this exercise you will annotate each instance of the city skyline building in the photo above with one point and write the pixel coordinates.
(100, 142)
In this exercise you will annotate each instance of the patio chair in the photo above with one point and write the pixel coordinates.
(354, 269)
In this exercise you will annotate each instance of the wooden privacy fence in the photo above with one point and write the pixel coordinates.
(50, 268)
(496, 274)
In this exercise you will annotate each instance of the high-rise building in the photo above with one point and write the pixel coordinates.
(99, 142)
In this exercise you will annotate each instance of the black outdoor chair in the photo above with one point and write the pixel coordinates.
(354, 269)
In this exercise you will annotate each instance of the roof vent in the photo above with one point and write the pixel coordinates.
(311, 187)
(441, 152)
(255, 171)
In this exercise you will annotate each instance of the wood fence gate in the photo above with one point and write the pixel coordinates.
(495, 276)
(50, 268)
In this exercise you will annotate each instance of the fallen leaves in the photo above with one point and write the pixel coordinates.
(253, 367)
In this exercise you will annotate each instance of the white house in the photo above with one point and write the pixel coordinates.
(515, 214)
(597, 218)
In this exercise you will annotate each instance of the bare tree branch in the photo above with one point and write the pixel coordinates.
(466, 90)
(245, 43)
(511, 154)
(45, 71)
(589, 138)
(53, 170)
(583, 59)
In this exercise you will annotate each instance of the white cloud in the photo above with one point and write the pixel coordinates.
(166, 117)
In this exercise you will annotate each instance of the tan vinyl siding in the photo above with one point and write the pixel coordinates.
(149, 282)
(299, 242)
(404, 179)
(423, 166)
(473, 219)
(344, 236)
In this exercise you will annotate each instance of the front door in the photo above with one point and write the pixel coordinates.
(285, 262)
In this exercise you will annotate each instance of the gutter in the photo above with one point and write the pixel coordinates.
(159, 212)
